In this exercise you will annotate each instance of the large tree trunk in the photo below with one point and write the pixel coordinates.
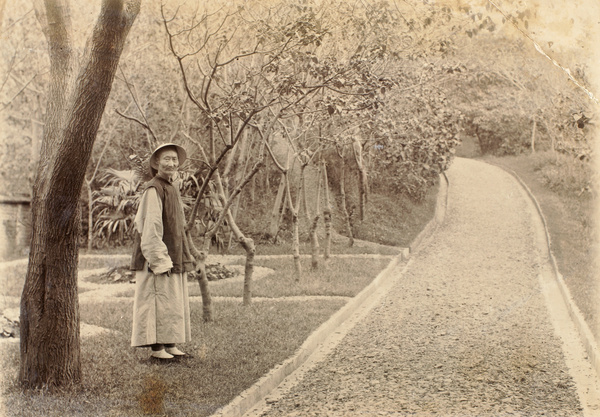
(90, 231)
(37, 133)
(50, 352)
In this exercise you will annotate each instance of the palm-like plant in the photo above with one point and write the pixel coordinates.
(114, 207)
(210, 209)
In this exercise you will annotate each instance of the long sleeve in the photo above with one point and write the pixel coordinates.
(149, 224)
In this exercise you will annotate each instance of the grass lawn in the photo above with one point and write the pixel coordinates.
(562, 187)
(229, 354)
(341, 277)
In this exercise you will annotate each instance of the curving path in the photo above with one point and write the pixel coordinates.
(471, 327)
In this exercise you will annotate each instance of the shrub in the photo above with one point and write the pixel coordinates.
(565, 174)
(115, 205)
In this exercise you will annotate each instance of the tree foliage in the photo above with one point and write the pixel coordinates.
(404, 80)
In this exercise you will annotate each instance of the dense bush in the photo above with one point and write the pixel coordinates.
(501, 134)
(417, 142)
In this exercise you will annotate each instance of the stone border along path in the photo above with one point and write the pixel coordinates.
(330, 333)
(555, 300)
(587, 337)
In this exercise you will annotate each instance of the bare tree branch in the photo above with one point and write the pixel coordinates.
(143, 124)
(146, 124)
(266, 143)
(5, 105)
(205, 182)
(232, 197)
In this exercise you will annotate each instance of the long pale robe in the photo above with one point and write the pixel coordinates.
(161, 310)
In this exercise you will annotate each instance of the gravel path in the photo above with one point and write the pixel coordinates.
(464, 331)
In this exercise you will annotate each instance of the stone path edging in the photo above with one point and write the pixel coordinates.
(438, 217)
(211, 257)
(588, 339)
(248, 398)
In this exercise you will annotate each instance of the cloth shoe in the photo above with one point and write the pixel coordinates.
(161, 354)
(174, 351)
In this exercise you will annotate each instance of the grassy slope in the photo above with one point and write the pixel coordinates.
(560, 188)
(395, 220)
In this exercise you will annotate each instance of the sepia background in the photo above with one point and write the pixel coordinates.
(404, 87)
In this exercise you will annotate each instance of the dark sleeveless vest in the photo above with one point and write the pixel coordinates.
(173, 229)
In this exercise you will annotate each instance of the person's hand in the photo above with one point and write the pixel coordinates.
(167, 273)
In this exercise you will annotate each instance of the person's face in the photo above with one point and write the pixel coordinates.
(168, 162)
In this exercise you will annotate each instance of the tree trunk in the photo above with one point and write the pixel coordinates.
(363, 190)
(302, 195)
(344, 205)
(267, 184)
(275, 213)
(314, 238)
(250, 248)
(296, 234)
(37, 134)
(200, 258)
(314, 242)
(326, 215)
(247, 243)
(203, 284)
(240, 172)
(50, 351)
(231, 158)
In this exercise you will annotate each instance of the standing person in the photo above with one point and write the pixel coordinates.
(161, 259)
